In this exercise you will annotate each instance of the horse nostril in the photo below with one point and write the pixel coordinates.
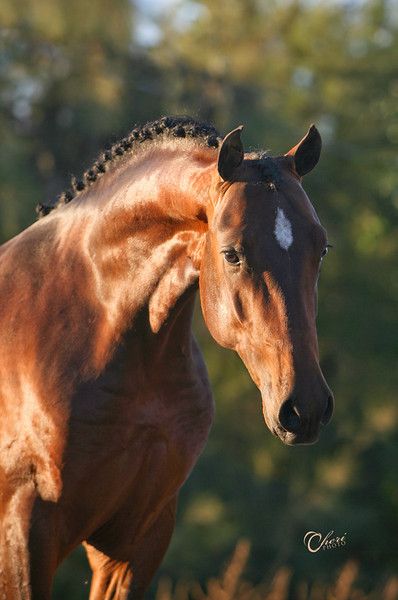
(289, 417)
(328, 411)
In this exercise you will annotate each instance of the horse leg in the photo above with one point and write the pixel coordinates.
(27, 560)
(14, 552)
(111, 578)
(129, 580)
(151, 549)
(44, 547)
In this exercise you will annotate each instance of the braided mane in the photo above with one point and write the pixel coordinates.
(178, 127)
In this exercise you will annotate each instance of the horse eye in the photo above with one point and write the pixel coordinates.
(232, 257)
(326, 250)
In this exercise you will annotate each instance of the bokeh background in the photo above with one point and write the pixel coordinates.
(77, 75)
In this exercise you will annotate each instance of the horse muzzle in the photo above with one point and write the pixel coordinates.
(298, 422)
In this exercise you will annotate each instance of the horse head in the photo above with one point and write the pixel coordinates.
(258, 280)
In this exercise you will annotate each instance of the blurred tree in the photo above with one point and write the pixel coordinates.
(69, 84)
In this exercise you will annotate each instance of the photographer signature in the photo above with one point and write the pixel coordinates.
(314, 541)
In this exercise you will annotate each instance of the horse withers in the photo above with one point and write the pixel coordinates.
(104, 394)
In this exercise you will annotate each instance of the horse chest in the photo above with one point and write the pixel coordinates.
(187, 418)
(124, 417)
(134, 447)
(176, 412)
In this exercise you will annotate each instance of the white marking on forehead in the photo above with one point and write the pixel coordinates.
(283, 230)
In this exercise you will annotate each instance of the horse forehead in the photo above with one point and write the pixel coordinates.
(243, 203)
(255, 206)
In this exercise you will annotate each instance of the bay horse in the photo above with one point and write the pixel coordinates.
(105, 399)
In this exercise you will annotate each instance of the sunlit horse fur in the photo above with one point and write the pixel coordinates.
(105, 400)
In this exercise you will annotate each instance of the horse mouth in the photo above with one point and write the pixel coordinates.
(294, 439)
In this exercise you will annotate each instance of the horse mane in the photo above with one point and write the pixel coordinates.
(173, 127)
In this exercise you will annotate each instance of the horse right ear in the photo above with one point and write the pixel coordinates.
(230, 154)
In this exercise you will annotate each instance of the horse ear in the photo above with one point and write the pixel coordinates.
(230, 154)
(307, 152)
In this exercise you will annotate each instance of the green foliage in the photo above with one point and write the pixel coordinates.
(73, 78)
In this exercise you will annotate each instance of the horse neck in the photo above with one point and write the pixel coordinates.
(145, 239)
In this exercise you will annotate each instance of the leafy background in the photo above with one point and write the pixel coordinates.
(75, 76)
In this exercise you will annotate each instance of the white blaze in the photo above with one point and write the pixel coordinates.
(283, 230)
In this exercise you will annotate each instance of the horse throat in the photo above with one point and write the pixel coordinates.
(179, 275)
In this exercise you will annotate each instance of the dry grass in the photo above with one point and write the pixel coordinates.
(232, 586)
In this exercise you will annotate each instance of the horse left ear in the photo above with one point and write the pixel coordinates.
(230, 154)
(307, 152)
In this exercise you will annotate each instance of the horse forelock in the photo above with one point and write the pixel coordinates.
(169, 127)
